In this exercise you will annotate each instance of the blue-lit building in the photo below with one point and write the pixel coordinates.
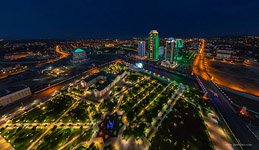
(161, 51)
(141, 48)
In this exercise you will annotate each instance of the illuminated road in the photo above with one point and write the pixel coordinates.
(241, 133)
(202, 68)
(236, 124)
(198, 65)
(13, 72)
(62, 54)
(237, 81)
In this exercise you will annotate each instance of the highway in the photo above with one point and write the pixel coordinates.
(237, 126)
(59, 51)
(198, 65)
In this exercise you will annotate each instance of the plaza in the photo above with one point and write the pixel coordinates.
(139, 102)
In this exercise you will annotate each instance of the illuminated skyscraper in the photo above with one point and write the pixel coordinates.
(169, 50)
(141, 48)
(178, 43)
(178, 46)
(153, 44)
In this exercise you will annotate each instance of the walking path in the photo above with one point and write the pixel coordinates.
(33, 145)
(5, 145)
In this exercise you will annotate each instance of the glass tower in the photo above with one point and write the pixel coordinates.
(169, 50)
(161, 51)
(141, 48)
(178, 46)
(153, 45)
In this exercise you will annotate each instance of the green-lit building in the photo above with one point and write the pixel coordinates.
(179, 44)
(153, 45)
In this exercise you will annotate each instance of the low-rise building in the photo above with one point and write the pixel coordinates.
(78, 56)
(12, 94)
(87, 82)
(108, 81)
(223, 54)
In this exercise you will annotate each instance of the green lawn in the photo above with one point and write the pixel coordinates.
(183, 128)
(20, 137)
(48, 112)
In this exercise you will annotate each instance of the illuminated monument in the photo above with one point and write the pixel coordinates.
(169, 50)
(153, 44)
(110, 126)
(141, 48)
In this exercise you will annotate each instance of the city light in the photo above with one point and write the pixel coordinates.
(89, 85)
(139, 65)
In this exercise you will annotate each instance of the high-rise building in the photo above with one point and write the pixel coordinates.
(153, 44)
(178, 47)
(161, 51)
(179, 43)
(141, 48)
(169, 50)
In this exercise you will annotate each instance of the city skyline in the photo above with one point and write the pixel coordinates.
(108, 87)
(129, 75)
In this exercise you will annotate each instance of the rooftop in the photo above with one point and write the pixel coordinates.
(153, 32)
(108, 81)
(91, 77)
(79, 50)
(9, 90)
(170, 39)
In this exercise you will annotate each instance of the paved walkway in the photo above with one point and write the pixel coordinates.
(33, 145)
(5, 145)
(171, 103)
(218, 136)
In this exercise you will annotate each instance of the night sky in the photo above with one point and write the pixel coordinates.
(74, 19)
